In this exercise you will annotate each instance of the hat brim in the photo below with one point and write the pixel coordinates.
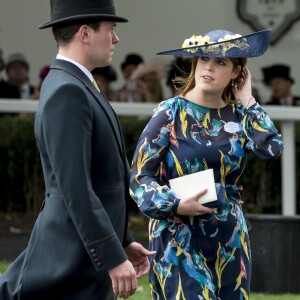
(251, 45)
(101, 17)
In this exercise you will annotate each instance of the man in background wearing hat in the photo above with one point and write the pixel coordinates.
(7, 90)
(80, 247)
(17, 70)
(277, 79)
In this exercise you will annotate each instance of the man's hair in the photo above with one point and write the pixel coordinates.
(64, 34)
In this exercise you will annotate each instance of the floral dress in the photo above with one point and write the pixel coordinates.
(208, 256)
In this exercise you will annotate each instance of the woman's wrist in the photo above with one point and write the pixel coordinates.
(249, 102)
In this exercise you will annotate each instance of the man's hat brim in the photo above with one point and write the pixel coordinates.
(252, 45)
(73, 19)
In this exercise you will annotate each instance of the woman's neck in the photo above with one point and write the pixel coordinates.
(205, 99)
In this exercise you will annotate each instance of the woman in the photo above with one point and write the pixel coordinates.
(201, 252)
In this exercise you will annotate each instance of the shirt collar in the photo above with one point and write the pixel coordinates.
(81, 67)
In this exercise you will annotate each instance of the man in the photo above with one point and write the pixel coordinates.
(6, 90)
(17, 70)
(278, 80)
(80, 247)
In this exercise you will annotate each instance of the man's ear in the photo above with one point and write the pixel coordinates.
(84, 32)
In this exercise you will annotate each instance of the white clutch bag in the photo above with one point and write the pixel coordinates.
(191, 184)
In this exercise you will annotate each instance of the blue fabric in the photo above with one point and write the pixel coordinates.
(251, 45)
(220, 189)
(207, 256)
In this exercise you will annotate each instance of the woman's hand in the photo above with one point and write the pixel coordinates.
(191, 206)
(243, 91)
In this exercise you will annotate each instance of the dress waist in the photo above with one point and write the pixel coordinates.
(232, 192)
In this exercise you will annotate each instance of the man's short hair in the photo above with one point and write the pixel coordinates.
(64, 34)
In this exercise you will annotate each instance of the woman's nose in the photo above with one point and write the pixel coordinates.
(209, 66)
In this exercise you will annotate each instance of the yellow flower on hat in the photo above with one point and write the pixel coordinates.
(205, 40)
(195, 40)
(229, 37)
(198, 40)
(192, 41)
(223, 43)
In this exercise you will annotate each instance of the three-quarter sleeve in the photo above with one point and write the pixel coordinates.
(263, 137)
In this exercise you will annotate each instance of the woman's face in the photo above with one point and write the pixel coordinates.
(213, 74)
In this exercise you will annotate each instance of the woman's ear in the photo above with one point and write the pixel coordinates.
(236, 72)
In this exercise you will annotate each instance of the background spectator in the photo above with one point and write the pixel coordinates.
(148, 78)
(278, 80)
(128, 92)
(6, 90)
(104, 77)
(42, 75)
(256, 94)
(17, 69)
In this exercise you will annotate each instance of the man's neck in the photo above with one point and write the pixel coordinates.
(75, 55)
(76, 63)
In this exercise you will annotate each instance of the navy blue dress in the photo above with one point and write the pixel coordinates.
(203, 257)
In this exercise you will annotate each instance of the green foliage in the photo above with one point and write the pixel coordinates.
(3, 266)
(21, 178)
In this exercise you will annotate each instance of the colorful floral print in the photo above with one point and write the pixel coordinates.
(205, 257)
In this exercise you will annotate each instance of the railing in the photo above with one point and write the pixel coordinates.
(285, 114)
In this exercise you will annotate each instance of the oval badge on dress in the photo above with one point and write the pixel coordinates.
(231, 127)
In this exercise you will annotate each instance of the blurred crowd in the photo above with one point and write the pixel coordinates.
(142, 81)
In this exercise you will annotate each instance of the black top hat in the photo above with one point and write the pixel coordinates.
(132, 59)
(107, 72)
(276, 71)
(67, 11)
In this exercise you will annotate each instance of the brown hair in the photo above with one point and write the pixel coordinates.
(64, 34)
(184, 84)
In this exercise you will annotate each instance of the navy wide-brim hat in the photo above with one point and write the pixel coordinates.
(68, 11)
(223, 43)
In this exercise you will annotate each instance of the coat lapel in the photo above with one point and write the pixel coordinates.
(103, 102)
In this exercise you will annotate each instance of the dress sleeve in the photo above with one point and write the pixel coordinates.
(154, 199)
(263, 137)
